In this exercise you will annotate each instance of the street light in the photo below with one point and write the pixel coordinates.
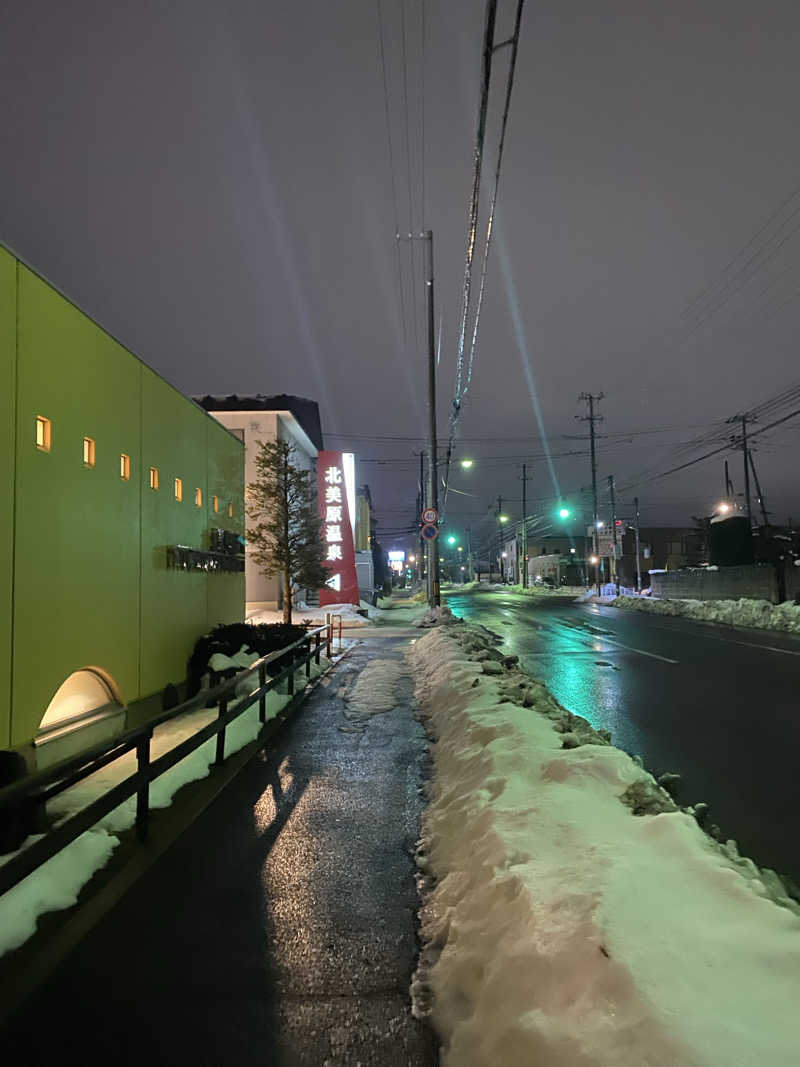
(594, 560)
(563, 513)
(723, 508)
(467, 464)
(599, 524)
(451, 540)
(412, 559)
(502, 518)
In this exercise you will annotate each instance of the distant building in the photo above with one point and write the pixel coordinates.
(122, 524)
(268, 418)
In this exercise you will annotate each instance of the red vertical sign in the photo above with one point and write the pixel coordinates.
(337, 532)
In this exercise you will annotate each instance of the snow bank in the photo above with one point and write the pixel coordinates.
(54, 886)
(560, 929)
(758, 614)
(316, 615)
(435, 616)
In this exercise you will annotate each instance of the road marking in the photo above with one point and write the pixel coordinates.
(641, 651)
(576, 632)
(716, 637)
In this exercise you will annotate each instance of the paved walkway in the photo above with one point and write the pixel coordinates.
(279, 929)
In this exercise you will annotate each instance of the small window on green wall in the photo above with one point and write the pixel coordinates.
(43, 433)
(230, 511)
(125, 467)
(88, 452)
(198, 498)
(216, 503)
(154, 478)
(179, 489)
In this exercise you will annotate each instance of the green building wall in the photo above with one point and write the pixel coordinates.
(85, 582)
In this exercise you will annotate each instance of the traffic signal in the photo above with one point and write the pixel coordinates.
(564, 512)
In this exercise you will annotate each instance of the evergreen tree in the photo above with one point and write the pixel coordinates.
(286, 530)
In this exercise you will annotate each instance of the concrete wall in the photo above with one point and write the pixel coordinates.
(84, 579)
(754, 581)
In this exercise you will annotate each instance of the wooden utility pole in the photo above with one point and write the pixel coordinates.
(614, 562)
(636, 531)
(434, 598)
(524, 539)
(592, 418)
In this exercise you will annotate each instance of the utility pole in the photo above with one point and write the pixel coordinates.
(469, 553)
(499, 539)
(636, 531)
(524, 526)
(421, 552)
(729, 494)
(434, 598)
(591, 418)
(432, 501)
(759, 494)
(614, 530)
(746, 472)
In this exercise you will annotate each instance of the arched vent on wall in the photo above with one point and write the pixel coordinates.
(85, 691)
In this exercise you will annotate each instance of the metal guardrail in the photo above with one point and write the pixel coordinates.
(43, 785)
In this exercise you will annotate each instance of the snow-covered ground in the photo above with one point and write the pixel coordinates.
(56, 884)
(562, 930)
(316, 615)
(759, 614)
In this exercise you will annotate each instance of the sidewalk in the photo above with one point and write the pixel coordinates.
(280, 928)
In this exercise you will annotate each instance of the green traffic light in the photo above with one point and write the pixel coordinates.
(451, 540)
(563, 513)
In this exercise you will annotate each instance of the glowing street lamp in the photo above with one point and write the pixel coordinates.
(723, 508)
(594, 560)
(563, 513)
(451, 540)
(467, 464)
(502, 518)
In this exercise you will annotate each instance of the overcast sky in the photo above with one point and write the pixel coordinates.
(211, 182)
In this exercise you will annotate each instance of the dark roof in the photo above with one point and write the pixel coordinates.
(305, 411)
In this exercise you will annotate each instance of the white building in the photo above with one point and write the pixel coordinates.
(267, 418)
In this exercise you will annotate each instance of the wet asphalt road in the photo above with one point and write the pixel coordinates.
(280, 928)
(720, 706)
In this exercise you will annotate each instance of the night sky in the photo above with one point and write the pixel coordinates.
(211, 182)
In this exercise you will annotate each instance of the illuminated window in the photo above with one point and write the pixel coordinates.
(198, 497)
(125, 467)
(230, 511)
(42, 433)
(178, 489)
(154, 477)
(88, 452)
(215, 499)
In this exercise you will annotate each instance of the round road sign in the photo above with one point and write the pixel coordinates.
(430, 515)
(429, 531)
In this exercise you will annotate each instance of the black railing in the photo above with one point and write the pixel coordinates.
(41, 786)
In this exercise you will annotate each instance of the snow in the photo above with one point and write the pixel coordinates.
(373, 693)
(243, 658)
(435, 616)
(559, 928)
(53, 886)
(56, 884)
(316, 615)
(758, 614)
